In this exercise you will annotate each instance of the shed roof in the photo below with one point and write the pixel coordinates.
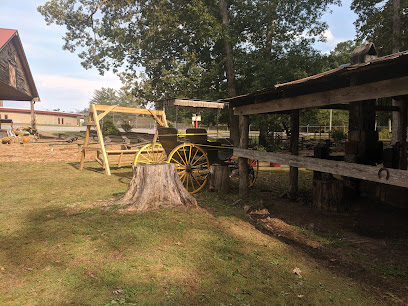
(8, 92)
(390, 67)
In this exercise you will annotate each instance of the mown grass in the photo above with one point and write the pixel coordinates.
(59, 245)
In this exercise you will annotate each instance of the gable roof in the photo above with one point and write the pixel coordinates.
(8, 92)
(5, 36)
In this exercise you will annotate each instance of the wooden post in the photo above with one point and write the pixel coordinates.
(33, 121)
(243, 162)
(399, 130)
(218, 179)
(100, 139)
(86, 141)
(294, 150)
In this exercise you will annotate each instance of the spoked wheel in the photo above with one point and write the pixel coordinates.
(253, 168)
(152, 153)
(253, 171)
(192, 166)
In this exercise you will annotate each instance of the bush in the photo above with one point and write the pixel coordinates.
(109, 128)
(126, 126)
(384, 134)
(338, 135)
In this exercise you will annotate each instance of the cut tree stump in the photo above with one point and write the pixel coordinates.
(328, 194)
(156, 186)
(218, 180)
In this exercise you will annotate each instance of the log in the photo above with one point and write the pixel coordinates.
(156, 186)
(328, 195)
(218, 180)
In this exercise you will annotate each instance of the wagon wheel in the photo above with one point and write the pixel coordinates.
(253, 171)
(152, 153)
(192, 166)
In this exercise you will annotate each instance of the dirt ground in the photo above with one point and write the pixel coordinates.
(368, 243)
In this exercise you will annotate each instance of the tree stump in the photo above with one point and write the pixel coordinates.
(218, 180)
(328, 194)
(156, 186)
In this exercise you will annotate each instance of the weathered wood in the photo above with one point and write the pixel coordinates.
(218, 179)
(399, 130)
(364, 172)
(328, 195)
(128, 110)
(374, 90)
(100, 138)
(194, 103)
(156, 186)
(243, 161)
(294, 150)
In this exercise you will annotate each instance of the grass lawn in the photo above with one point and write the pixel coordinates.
(59, 245)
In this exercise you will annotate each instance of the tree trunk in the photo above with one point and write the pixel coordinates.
(156, 186)
(263, 132)
(218, 179)
(229, 69)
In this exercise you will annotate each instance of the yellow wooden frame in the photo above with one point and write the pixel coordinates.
(94, 120)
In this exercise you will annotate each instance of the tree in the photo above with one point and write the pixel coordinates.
(197, 49)
(382, 22)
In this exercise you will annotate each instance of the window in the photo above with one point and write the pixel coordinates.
(62, 120)
(59, 121)
(5, 116)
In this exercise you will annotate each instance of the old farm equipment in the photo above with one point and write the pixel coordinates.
(191, 152)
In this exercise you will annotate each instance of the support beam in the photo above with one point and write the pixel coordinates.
(364, 172)
(294, 150)
(33, 119)
(242, 161)
(374, 90)
(399, 130)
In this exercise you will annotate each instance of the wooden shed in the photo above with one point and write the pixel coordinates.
(16, 80)
(353, 87)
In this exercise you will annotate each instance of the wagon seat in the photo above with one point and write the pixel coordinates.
(214, 150)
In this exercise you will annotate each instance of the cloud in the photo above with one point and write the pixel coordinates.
(70, 93)
(331, 39)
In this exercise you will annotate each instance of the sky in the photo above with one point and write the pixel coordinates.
(64, 84)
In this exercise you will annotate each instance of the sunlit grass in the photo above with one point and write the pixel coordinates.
(59, 245)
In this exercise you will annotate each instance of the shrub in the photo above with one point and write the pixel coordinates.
(109, 128)
(384, 134)
(126, 127)
(338, 135)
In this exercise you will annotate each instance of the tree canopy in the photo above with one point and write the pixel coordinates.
(180, 44)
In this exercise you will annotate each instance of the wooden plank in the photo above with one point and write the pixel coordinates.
(194, 103)
(100, 116)
(363, 172)
(121, 151)
(100, 139)
(128, 110)
(374, 90)
(157, 118)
